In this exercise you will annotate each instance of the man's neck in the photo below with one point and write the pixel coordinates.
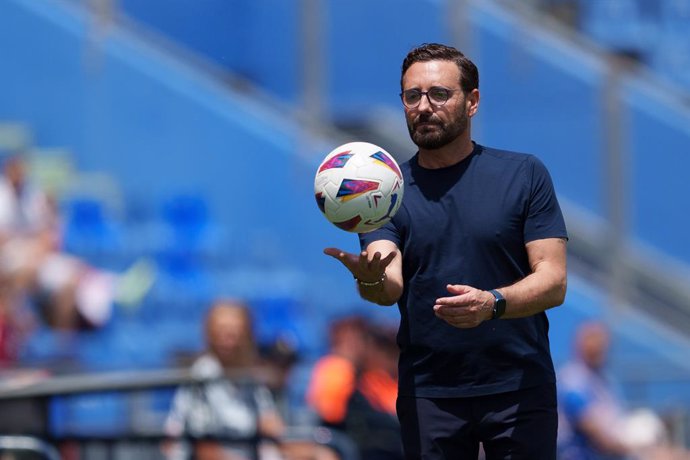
(448, 155)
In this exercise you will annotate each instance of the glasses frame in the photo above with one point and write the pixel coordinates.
(451, 92)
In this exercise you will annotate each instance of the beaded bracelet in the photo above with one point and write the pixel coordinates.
(371, 284)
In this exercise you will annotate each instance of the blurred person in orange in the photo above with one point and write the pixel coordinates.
(229, 402)
(595, 423)
(334, 376)
(371, 420)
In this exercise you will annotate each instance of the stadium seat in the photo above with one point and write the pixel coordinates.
(52, 349)
(124, 345)
(674, 18)
(91, 233)
(93, 414)
(188, 225)
(619, 25)
(671, 60)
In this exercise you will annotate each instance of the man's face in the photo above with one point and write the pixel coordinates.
(594, 345)
(432, 126)
(15, 171)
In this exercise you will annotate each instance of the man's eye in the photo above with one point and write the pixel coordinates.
(412, 96)
(438, 94)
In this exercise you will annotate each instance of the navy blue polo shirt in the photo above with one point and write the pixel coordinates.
(468, 224)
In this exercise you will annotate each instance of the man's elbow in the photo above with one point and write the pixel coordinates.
(559, 290)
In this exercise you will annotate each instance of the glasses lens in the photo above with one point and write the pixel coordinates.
(411, 97)
(439, 95)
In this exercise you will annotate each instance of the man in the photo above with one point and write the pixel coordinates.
(474, 257)
(592, 415)
(595, 422)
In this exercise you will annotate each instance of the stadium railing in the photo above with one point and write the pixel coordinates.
(29, 423)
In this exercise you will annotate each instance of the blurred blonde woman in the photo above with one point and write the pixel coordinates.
(228, 403)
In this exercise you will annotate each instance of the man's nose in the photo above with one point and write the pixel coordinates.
(425, 104)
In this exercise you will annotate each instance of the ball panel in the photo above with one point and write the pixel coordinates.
(321, 201)
(389, 162)
(338, 160)
(349, 225)
(354, 188)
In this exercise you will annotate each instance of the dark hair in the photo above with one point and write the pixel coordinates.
(469, 75)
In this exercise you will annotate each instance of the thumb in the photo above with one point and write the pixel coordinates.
(333, 252)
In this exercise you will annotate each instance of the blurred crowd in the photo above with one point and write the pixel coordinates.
(43, 286)
(244, 393)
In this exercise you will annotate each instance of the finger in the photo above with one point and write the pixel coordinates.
(448, 311)
(455, 301)
(347, 259)
(376, 258)
(363, 261)
(461, 321)
(388, 259)
(458, 289)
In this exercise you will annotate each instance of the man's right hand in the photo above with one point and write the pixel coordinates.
(361, 267)
(379, 277)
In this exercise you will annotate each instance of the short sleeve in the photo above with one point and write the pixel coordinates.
(575, 403)
(544, 216)
(386, 232)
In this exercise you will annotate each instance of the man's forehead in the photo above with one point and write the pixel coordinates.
(433, 73)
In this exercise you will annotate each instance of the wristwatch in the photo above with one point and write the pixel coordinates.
(499, 304)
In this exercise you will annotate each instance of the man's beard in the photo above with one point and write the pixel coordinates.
(443, 135)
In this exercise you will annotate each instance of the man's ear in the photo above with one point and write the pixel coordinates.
(472, 102)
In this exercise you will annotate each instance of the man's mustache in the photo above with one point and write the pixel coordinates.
(427, 118)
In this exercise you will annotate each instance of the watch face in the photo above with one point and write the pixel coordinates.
(499, 304)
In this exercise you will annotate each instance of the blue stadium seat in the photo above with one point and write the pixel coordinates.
(125, 345)
(186, 224)
(183, 287)
(671, 59)
(91, 233)
(619, 25)
(93, 414)
(674, 18)
(50, 348)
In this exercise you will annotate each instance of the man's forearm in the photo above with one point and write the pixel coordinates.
(535, 293)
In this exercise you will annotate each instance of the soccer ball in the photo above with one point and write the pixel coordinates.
(358, 187)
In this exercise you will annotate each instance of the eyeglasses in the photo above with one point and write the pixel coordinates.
(437, 96)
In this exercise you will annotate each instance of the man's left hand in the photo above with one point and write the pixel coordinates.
(466, 307)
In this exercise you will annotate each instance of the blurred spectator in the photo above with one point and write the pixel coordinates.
(594, 423)
(371, 420)
(277, 362)
(15, 324)
(70, 294)
(334, 375)
(223, 405)
(29, 227)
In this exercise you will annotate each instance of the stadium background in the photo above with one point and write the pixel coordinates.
(213, 115)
